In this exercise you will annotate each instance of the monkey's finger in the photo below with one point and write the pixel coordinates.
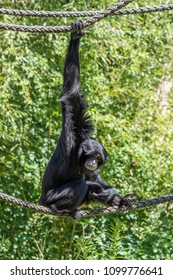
(77, 25)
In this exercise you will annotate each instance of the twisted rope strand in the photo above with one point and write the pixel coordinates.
(115, 6)
(87, 212)
(36, 207)
(83, 13)
(143, 10)
(107, 12)
(32, 29)
(58, 29)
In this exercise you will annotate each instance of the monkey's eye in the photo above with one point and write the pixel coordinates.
(98, 157)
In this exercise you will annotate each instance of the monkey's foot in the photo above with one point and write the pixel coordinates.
(76, 28)
(127, 200)
(75, 214)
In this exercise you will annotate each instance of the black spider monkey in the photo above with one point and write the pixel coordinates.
(71, 177)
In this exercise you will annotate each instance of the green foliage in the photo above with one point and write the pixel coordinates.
(124, 60)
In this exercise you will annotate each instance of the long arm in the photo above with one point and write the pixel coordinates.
(75, 122)
(72, 67)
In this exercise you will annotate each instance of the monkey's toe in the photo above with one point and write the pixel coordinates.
(75, 214)
(116, 200)
(128, 199)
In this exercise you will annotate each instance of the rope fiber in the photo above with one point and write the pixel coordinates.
(87, 212)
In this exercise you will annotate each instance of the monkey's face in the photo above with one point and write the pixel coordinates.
(92, 155)
(91, 164)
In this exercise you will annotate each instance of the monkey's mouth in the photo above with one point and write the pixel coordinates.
(91, 164)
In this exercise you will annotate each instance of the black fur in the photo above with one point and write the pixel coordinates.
(67, 181)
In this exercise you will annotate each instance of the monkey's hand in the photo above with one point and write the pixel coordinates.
(76, 28)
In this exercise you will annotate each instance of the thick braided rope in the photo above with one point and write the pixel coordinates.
(107, 12)
(36, 207)
(144, 10)
(58, 29)
(32, 29)
(84, 13)
(103, 13)
(87, 212)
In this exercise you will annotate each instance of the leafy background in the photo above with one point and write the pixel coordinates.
(126, 76)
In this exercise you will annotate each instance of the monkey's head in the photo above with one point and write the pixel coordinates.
(91, 155)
